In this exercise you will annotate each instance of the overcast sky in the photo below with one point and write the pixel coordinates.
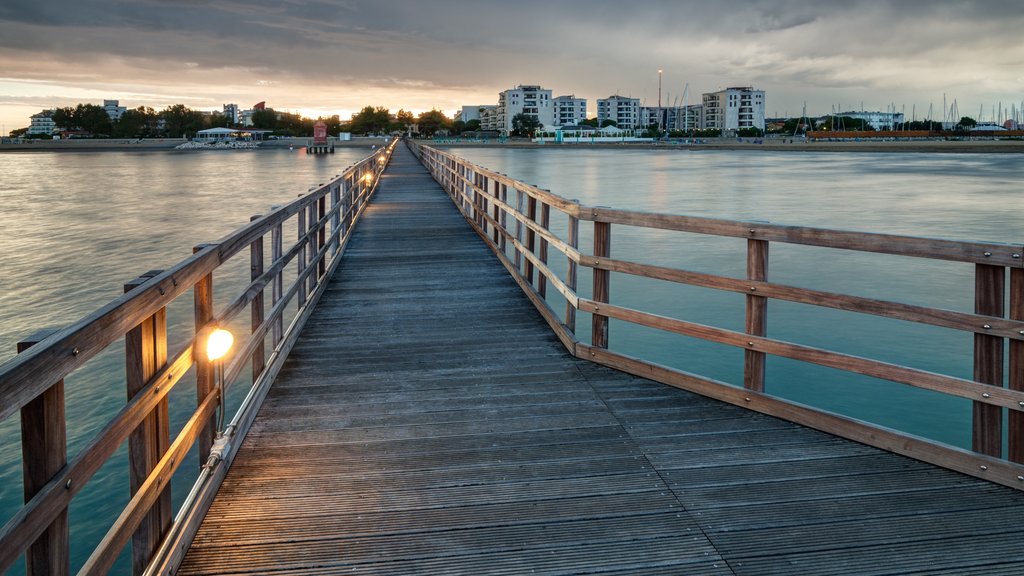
(335, 56)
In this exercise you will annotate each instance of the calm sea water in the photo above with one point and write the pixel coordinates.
(77, 226)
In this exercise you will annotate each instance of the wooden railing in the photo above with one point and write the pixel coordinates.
(501, 209)
(32, 383)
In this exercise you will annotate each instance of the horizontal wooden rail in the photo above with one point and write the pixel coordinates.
(33, 372)
(479, 194)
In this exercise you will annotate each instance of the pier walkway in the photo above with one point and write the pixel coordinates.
(428, 421)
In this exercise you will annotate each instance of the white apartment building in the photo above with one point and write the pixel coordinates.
(489, 118)
(524, 99)
(625, 112)
(877, 120)
(690, 117)
(42, 123)
(113, 110)
(232, 113)
(734, 109)
(570, 110)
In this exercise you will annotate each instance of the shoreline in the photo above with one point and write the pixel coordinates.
(160, 144)
(765, 145)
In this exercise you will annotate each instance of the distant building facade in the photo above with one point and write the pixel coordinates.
(570, 110)
(530, 100)
(877, 120)
(475, 112)
(625, 112)
(232, 113)
(734, 109)
(690, 117)
(113, 109)
(489, 118)
(42, 123)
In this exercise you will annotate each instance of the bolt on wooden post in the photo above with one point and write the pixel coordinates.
(145, 354)
(44, 452)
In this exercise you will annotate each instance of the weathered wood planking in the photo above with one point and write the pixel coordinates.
(429, 422)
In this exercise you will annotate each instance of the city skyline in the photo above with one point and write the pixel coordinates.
(334, 57)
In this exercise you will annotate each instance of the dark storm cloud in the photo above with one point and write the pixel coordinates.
(592, 47)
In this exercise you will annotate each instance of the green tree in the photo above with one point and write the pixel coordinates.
(590, 122)
(472, 125)
(93, 119)
(180, 121)
(217, 120)
(403, 120)
(264, 119)
(371, 120)
(750, 132)
(65, 118)
(524, 125)
(137, 123)
(797, 126)
(967, 122)
(606, 123)
(432, 122)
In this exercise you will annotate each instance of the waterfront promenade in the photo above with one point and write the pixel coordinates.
(429, 421)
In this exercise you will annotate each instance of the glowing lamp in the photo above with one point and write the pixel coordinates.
(368, 178)
(218, 344)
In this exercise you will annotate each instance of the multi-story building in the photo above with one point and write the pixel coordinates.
(625, 112)
(734, 109)
(689, 118)
(532, 101)
(232, 113)
(42, 123)
(489, 118)
(113, 110)
(570, 110)
(877, 120)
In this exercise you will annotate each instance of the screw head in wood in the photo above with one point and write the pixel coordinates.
(986, 395)
(1016, 256)
(67, 484)
(753, 288)
(983, 467)
(987, 326)
(987, 254)
(750, 343)
(75, 352)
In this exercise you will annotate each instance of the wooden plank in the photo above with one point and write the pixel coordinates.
(982, 324)
(602, 285)
(545, 222)
(145, 356)
(987, 436)
(756, 315)
(202, 294)
(992, 254)
(44, 453)
(970, 463)
(1016, 376)
(571, 274)
(256, 307)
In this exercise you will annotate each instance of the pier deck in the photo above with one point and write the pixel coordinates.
(428, 421)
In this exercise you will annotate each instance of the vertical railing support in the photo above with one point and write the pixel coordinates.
(988, 359)
(757, 315)
(44, 452)
(277, 288)
(496, 232)
(531, 238)
(336, 218)
(145, 354)
(1016, 423)
(300, 258)
(502, 242)
(545, 222)
(313, 245)
(571, 271)
(602, 283)
(519, 229)
(321, 211)
(257, 305)
(203, 309)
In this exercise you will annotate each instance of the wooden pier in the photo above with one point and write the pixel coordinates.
(427, 420)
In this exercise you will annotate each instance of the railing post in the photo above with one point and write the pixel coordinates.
(571, 272)
(602, 283)
(321, 211)
(44, 452)
(988, 359)
(519, 229)
(1016, 424)
(336, 217)
(300, 258)
(312, 246)
(277, 287)
(504, 218)
(256, 307)
(545, 222)
(531, 237)
(496, 233)
(757, 315)
(203, 309)
(145, 354)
